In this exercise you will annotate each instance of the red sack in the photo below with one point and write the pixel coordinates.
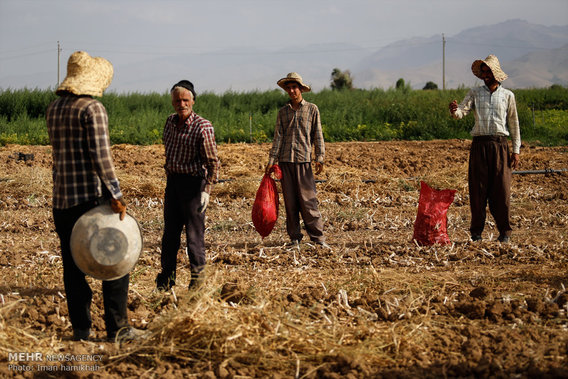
(431, 222)
(265, 207)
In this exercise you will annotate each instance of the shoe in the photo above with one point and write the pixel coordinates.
(164, 283)
(196, 281)
(504, 239)
(324, 245)
(81, 334)
(293, 243)
(476, 237)
(125, 334)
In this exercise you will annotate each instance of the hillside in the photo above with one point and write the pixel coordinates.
(532, 55)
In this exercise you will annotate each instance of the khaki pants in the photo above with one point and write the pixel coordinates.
(490, 182)
(299, 192)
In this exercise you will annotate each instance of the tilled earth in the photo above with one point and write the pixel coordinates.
(376, 305)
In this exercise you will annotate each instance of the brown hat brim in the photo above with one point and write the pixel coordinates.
(304, 87)
(86, 75)
(493, 63)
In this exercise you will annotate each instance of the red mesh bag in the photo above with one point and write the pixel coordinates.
(431, 222)
(265, 207)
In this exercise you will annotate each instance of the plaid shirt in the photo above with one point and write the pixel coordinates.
(294, 134)
(493, 112)
(82, 160)
(191, 149)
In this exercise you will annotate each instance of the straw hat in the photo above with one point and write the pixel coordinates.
(294, 77)
(86, 75)
(493, 63)
(103, 246)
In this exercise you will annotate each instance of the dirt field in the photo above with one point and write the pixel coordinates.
(376, 305)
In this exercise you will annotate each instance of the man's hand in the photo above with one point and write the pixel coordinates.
(118, 206)
(515, 160)
(319, 168)
(203, 202)
(453, 106)
(267, 169)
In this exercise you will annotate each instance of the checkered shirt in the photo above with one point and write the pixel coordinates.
(295, 133)
(191, 149)
(493, 113)
(82, 160)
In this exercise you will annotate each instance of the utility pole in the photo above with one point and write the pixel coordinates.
(58, 57)
(443, 62)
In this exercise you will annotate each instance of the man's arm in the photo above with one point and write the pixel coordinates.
(463, 109)
(276, 144)
(98, 141)
(514, 131)
(210, 157)
(318, 141)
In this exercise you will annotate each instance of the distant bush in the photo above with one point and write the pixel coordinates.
(355, 115)
(430, 86)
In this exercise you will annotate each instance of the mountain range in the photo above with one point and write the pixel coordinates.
(534, 56)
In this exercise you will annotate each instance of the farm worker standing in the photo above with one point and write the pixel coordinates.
(298, 127)
(490, 160)
(84, 177)
(192, 168)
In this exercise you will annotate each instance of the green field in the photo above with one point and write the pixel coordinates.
(349, 115)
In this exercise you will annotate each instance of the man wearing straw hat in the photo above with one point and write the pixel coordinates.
(298, 131)
(192, 168)
(84, 177)
(490, 160)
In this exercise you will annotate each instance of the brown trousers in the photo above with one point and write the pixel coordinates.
(490, 182)
(299, 191)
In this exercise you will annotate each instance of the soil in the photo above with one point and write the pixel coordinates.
(377, 304)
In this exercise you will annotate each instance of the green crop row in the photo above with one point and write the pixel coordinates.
(349, 115)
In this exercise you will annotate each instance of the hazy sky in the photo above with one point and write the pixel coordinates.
(127, 31)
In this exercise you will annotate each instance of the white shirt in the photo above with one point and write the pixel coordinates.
(495, 113)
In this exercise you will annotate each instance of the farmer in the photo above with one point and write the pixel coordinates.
(298, 127)
(490, 160)
(84, 177)
(192, 168)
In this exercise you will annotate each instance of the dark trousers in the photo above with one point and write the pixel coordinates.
(182, 198)
(78, 291)
(299, 192)
(490, 182)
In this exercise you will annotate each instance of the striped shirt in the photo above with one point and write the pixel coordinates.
(191, 149)
(82, 160)
(295, 133)
(493, 112)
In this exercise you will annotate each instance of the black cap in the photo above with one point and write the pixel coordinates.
(187, 85)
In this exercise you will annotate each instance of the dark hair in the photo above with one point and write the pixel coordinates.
(187, 85)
